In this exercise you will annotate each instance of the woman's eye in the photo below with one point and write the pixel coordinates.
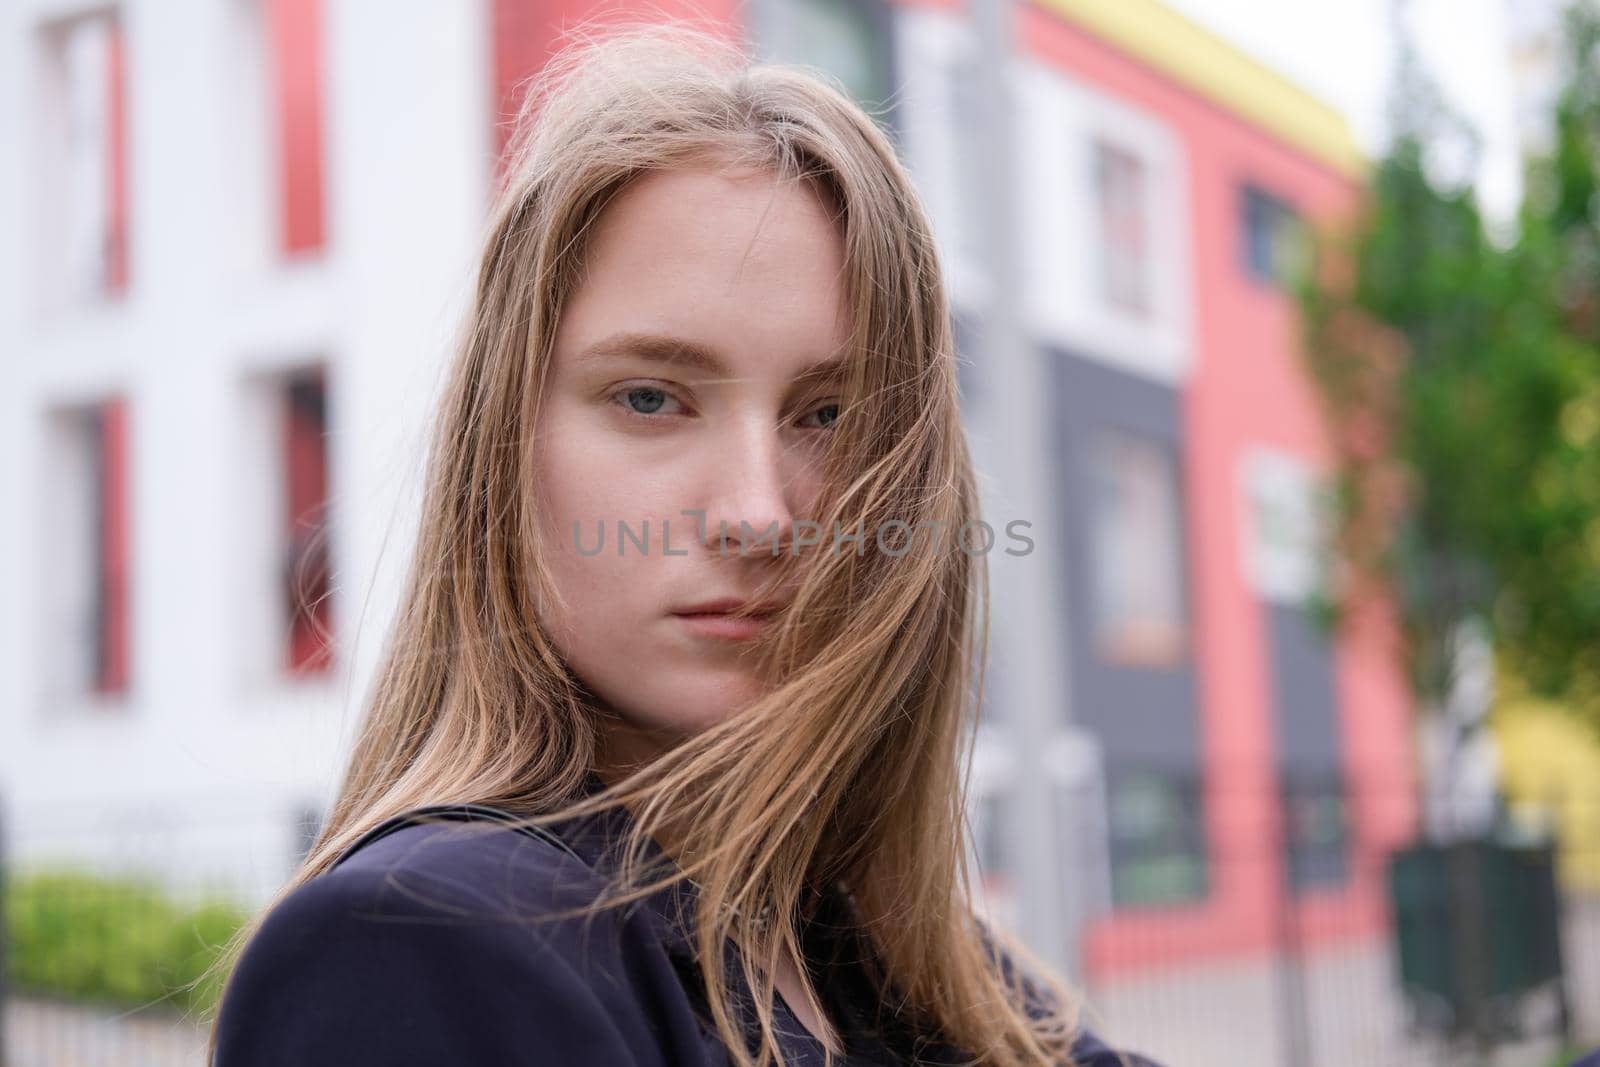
(644, 400)
(827, 414)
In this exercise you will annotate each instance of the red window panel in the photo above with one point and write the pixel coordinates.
(294, 29)
(117, 162)
(91, 137)
(111, 627)
(307, 574)
(522, 34)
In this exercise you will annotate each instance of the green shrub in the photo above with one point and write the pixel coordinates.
(116, 941)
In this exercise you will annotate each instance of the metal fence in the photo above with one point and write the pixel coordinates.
(1320, 937)
(107, 918)
(1354, 960)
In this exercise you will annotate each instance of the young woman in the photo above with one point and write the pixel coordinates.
(692, 605)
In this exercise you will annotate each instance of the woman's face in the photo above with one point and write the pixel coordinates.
(693, 382)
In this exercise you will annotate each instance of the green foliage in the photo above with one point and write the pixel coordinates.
(1566, 1056)
(1461, 379)
(112, 941)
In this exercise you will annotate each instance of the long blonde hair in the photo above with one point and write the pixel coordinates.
(848, 771)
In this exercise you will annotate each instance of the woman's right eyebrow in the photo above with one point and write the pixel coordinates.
(656, 347)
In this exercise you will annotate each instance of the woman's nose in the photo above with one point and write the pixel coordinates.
(750, 506)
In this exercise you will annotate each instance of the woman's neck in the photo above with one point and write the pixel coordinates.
(622, 752)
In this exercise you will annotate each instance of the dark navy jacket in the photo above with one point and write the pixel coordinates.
(415, 950)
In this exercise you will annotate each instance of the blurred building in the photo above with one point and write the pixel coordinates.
(240, 237)
(1168, 181)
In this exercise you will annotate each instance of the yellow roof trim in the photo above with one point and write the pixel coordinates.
(1200, 60)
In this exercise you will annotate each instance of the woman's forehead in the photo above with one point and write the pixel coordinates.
(736, 227)
(711, 267)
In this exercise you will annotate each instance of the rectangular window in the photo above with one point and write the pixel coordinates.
(84, 161)
(1308, 743)
(1288, 525)
(848, 39)
(294, 31)
(88, 537)
(1315, 830)
(306, 578)
(1137, 583)
(1157, 838)
(1274, 237)
(1120, 189)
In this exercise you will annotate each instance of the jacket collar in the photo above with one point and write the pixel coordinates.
(837, 950)
(598, 839)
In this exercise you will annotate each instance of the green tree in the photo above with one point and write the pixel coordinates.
(1460, 379)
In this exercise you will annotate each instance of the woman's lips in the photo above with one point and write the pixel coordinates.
(728, 627)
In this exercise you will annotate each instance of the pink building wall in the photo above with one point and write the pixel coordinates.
(1248, 388)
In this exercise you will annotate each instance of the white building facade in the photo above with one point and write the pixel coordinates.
(151, 467)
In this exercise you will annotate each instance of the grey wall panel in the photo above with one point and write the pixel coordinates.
(1304, 708)
(1147, 717)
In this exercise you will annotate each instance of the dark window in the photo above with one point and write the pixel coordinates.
(1157, 838)
(108, 427)
(307, 578)
(1316, 828)
(1306, 725)
(1274, 237)
(86, 155)
(846, 38)
(1136, 537)
(89, 504)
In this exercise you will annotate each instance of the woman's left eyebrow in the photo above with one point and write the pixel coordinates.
(665, 348)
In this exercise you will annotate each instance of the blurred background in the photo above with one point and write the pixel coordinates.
(1279, 323)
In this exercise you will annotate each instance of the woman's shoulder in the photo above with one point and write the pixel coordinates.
(467, 863)
(444, 943)
(1089, 1051)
